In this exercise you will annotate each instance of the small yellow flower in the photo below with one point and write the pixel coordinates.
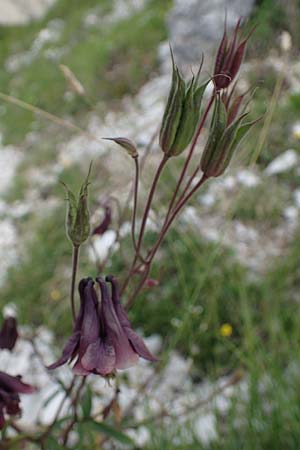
(226, 330)
(55, 295)
(296, 131)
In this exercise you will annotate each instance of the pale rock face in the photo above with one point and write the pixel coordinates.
(22, 11)
(284, 162)
(195, 26)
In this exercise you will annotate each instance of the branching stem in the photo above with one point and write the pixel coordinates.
(75, 257)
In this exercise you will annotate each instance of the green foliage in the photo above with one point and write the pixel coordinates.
(110, 61)
(46, 253)
(201, 288)
(262, 203)
(269, 17)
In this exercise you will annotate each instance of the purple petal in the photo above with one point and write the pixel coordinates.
(13, 406)
(81, 287)
(90, 325)
(79, 370)
(2, 419)
(90, 330)
(14, 384)
(69, 351)
(120, 311)
(8, 333)
(99, 357)
(125, 355)
(138, 344)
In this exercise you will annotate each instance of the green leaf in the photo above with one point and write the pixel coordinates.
(86, 404)
(52, 444)
(51, 397)
(110, 431)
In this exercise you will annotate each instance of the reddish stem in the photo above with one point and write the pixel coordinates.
(75, 257)
(135, 199)
(188, 159)
(162, 234)
(144, 219)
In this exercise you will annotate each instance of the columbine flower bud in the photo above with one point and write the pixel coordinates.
(182, 113)
(127, 144)
(78, 217)
(226, 132)
(229, 58)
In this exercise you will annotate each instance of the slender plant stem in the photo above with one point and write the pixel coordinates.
(190, 154)
(149, 200)
(143, 278)
(144, 219)
(141, 167)
(173, 215)
(161, 236)
(166, 222)
(75, 257)
(188, 184)
(192, 148)
(75, 401)
(135, 200)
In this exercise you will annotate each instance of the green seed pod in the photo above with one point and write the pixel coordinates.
(78, 217)
(211, 151)
(224, 151)
(225, 146)
(173, 111)
(185, 129)
(238, 136)
(189, 118)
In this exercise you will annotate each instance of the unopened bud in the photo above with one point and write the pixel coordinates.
(78, 217)
(223, 140)
(127, 144)
(182, 113)
(218, 125)
(173, 111)
(189, 118)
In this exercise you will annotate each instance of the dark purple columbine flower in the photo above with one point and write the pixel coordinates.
(103, 339)
(8, 333)
(10, 388)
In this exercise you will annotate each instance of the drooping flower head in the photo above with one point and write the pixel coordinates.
(10, 388)
(8, 333)
(103, 340)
